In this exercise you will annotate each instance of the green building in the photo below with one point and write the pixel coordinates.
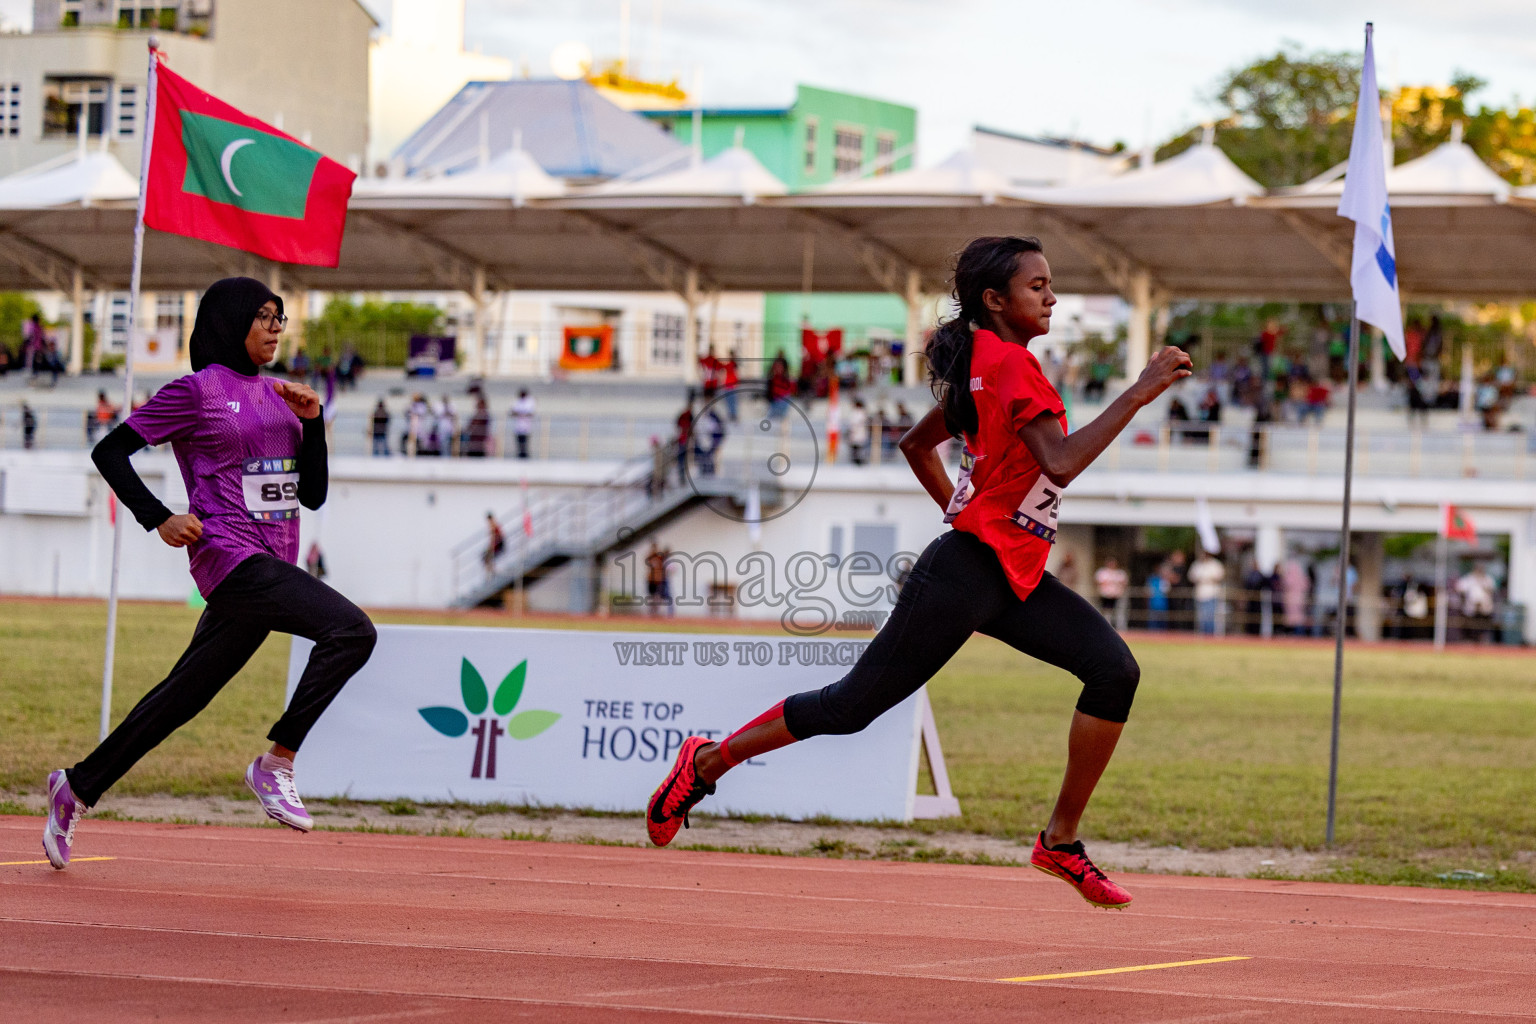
(821, 136)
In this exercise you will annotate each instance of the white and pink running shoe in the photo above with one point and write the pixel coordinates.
(278, 796)
(64, 813)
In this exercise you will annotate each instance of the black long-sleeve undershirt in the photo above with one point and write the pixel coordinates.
(314, 466)
(111, 456)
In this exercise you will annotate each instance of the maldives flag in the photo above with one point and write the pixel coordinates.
(223, 176)
(1458, 526)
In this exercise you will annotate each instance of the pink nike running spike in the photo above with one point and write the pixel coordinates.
(1070, 863)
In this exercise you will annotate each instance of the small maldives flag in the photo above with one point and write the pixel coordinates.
(1458, 526)
(218, 174)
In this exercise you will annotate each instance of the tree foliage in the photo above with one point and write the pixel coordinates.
(1289, 117)
(353, 319)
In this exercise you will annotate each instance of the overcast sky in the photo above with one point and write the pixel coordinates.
(1101, 70)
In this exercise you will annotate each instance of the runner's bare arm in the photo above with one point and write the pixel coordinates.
(920, 446)
(1063, 457)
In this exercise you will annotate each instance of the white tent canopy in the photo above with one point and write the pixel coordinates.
(514, 175)
(1199, 176)
(76, 179)
(1191, 227)
(960, 176)
(1449, 170)
(733, 173)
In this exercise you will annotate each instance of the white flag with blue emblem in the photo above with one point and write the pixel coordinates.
(1373, 271)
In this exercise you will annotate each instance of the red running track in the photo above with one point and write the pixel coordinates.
(196, 923)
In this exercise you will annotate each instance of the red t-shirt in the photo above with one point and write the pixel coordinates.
(1002, 497)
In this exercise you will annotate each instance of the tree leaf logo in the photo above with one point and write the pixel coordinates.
(477, 699)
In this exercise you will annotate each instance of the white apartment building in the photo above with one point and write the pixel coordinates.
(78, 77)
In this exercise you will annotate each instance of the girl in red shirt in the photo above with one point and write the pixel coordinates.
(987, 575)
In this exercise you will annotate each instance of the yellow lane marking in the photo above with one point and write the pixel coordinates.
(77, 860)
(1128, 970)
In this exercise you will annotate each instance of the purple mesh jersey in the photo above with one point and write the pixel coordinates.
(237, 444)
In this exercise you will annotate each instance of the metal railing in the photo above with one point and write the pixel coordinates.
(1192, 448)
(566, 525)
(1264, 613)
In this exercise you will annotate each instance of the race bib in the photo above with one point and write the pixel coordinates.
(271, 488)
(1037, 512)
(964, 489)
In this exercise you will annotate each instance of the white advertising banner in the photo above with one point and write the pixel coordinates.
(574, 718)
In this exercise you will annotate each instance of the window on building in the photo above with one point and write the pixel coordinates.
(117, 339)
(127, 110)
(667, 339)
(885, 148)
(69, 14)
(69, 102)
(168, 310)
(810, 145)
(145, 14)
(10, 109)
(847, 150)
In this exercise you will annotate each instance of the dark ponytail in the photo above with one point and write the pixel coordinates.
(985, 263)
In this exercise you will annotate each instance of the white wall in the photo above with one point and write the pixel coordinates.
(390, 524)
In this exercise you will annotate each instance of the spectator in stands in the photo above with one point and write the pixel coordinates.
(710, 373)
(684, 437)
(1476, 592)
(1208, 576)
(1178, 417)
(1325, 596)
(780, 387)
(47, 360)
(349, 368)
(858, 432)
(892, 431)
(1418, 407)
(495, 542)
(314, 561)
(523, 411)
(477, 436)
(1066, 570)
(1266, 343)
(380, 429)
(658, 594)
(1176, 571)
(730, 380)
(28, 426)
(708, 434)
(32, 335)
(660, 458)
(445, 426)
(417, 438)
(1294, 584)
(1110, 582)
(102, 419)
(1157, 599)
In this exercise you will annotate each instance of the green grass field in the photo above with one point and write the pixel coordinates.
(1227, 746)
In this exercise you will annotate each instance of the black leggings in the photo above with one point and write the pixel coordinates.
(958, 588)
(260, 595)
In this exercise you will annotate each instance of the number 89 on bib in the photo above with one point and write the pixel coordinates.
(271, 488)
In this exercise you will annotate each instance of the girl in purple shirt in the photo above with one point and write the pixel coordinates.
(251, 450)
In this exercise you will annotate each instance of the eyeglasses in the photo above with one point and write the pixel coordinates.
(271, 321)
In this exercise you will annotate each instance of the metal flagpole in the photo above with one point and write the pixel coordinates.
(1338, 647)
(133, 339)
